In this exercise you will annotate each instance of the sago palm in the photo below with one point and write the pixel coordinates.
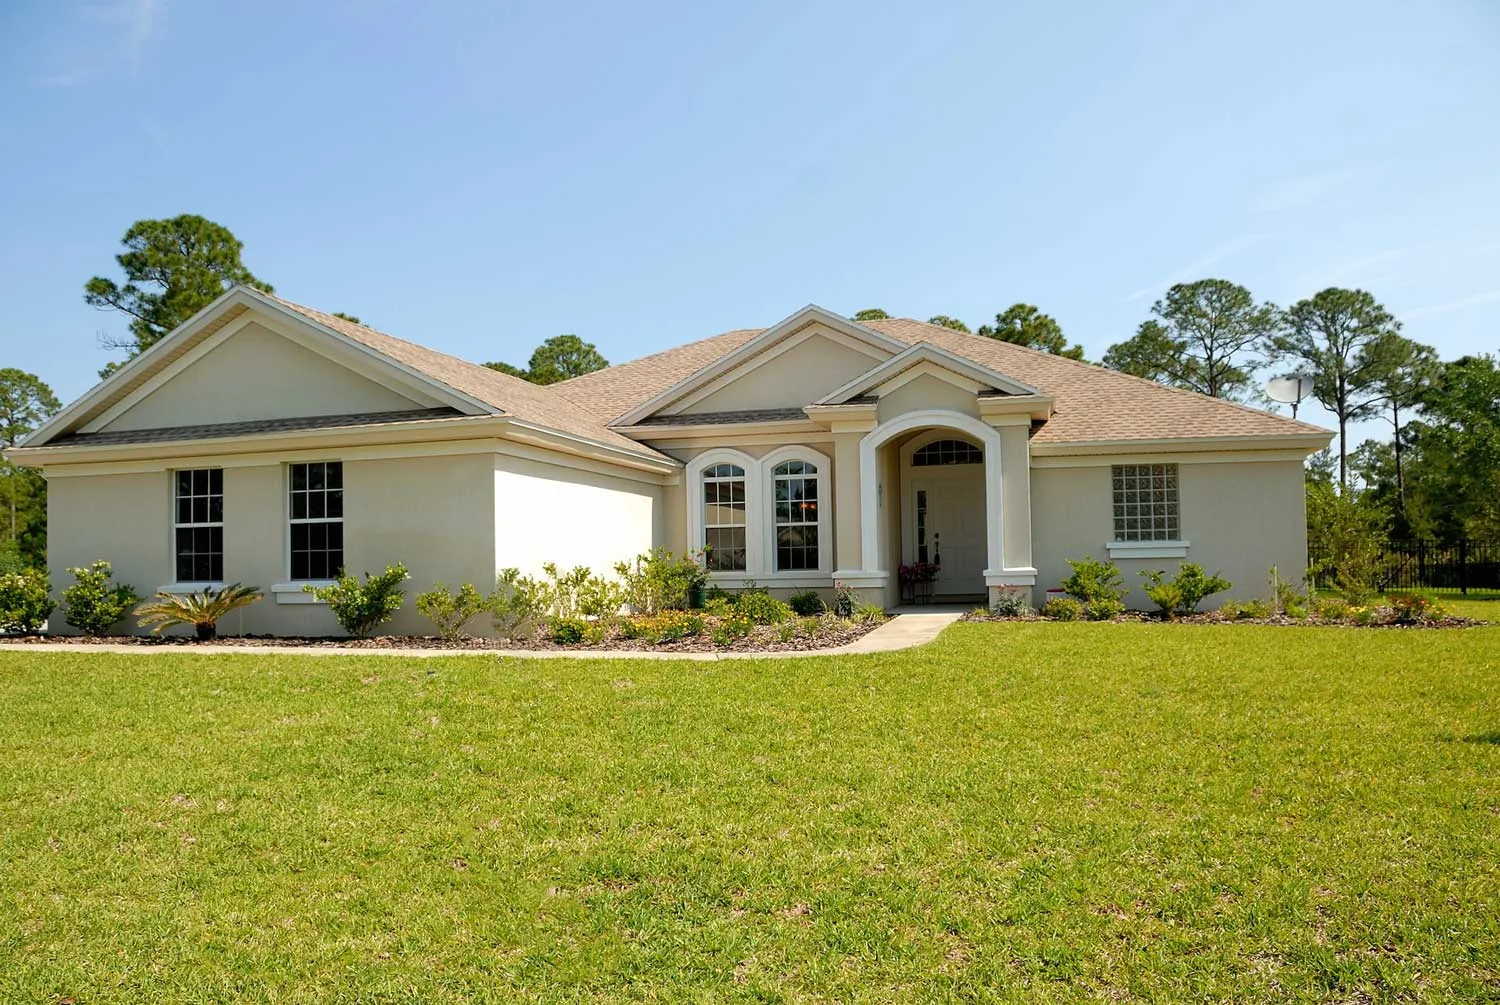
(202, 610)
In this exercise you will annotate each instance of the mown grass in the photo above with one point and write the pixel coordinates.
(1019, 812)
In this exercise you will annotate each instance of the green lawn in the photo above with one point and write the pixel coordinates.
(1019, 812)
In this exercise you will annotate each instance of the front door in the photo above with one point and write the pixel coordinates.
(948, 527)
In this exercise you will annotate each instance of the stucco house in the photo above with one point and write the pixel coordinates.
(271, 444)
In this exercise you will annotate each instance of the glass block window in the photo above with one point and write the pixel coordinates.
(724, 523)
(198, 525)
(947, 452)
(316, 509)
(796, 488)
(1145, 501)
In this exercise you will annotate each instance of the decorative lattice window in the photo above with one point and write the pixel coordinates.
(1145, 502)
(724, 522)
(947, 452)
(316, 506)
(796, 487)
(198, 525)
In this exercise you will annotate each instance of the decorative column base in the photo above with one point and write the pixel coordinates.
(1008, 581)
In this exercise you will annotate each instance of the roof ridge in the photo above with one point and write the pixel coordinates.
(1100, 368)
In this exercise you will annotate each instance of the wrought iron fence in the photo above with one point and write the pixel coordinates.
(1459, 567)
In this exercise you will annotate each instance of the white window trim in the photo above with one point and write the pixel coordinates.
(760, 516)
(291, 591)
(190, 585)
(1147, 549)
(768, 465)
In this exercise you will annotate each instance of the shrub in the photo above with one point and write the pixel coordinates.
(761, 608)
(1011, 604)
(1285, 597)
(560, 589)
(360, 608)
(845, 600)
(518, 604)
(668, 626)
(1414, 609)
(202, 610)
(25, 600)
(1093, 580)
(1249, 610)
(806, 604)
(600, 598)
(718, 607)
(92, 604)
(660, 580)
(1103, 609)
(732, 629)
(1331, 609)
(1167, 596)
(869, 614)
(567, 631)
(449, 612)
(1362, 615)
(1062, 609)
(808, 627)
(786, 632)
(1186, 590)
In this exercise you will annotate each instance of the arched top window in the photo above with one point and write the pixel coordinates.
(724, 471)
(940, 452)
(796, 468)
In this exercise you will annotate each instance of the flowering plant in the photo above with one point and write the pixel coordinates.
(917, 572)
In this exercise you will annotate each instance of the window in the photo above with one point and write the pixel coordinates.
(199, 525)
(317, 519)
(796, 488)
(1146, 507)
(947, 452)
(724, 523)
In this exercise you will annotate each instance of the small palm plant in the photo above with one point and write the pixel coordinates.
(201, 610)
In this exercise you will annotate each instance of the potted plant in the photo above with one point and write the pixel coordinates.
(697, 587)
(916, 582)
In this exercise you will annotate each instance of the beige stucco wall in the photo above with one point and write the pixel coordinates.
(123, 519)
(550, 513)
(1240, 517)
(793, 378)
(257, 374)
(926, 392)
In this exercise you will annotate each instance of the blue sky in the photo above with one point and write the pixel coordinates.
(478, 177)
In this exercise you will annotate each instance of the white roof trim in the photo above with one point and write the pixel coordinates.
(807, 315)
(919, 353)
(239, 296)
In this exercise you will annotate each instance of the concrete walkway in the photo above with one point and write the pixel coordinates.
(904, 631)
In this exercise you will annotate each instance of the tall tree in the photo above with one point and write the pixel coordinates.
(173, 269)
(1406, 371)
(558, 358)
(947, 322)
(1023, 324)
(871, 314)
(25, 403)
(1454, 476)
(1339, 336)
(1206, 337)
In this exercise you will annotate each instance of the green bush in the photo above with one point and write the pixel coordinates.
(660, 580)
(787, 632)
(568, 631)
(448, 611)
(1414, 609)
(25, 600)
(1185, 592)
(202, 609)
(1062, 609)
(1166, 596)
(761, 608)
(718, 607)
(732, 629)
(360, 608)
(869, 614)
(660, 629)
(518, 604)
(1012, 604)
(1249, 610)
(600, 599)
(808, 627)
(845, 600)
(1103, 609)
(92, 604)
(1331, 609)
(1285, 597)
(1093, 580)
(806, 604)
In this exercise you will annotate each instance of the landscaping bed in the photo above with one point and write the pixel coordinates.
(1379, 617)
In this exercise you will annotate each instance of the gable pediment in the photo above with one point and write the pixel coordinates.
(926, 362)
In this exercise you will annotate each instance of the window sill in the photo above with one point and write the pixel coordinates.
(807, 579)
(1147, 549)
(292, 593)
(183, 589)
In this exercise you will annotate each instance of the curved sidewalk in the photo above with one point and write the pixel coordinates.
(904, 631)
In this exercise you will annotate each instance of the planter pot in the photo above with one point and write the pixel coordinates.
(697, 597)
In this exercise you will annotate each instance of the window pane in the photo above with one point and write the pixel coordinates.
(299, 477)
(315, 505)
(334, 503)
(299, 506)
(333, 475)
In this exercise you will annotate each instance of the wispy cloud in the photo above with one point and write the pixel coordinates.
(1302, 190)
(105, 38)
(1196, 268)
(1449, 306)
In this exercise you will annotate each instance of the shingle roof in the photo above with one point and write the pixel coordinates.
(551, 406)
(219, 430)
(1091, 402)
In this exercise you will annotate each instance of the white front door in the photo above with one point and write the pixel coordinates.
(947, 527)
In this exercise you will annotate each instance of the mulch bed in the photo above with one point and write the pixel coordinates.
(1215, 618)
(829, 634)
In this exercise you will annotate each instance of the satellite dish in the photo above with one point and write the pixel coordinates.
(1290, 390)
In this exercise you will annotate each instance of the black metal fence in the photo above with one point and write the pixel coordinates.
(1460, 567)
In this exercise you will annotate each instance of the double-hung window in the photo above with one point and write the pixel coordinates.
(724, 522)
(796, 498)
(316, 511)
(1145, 502)
(198, 527)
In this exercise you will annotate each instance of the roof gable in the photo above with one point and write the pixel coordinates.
(924, 357)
